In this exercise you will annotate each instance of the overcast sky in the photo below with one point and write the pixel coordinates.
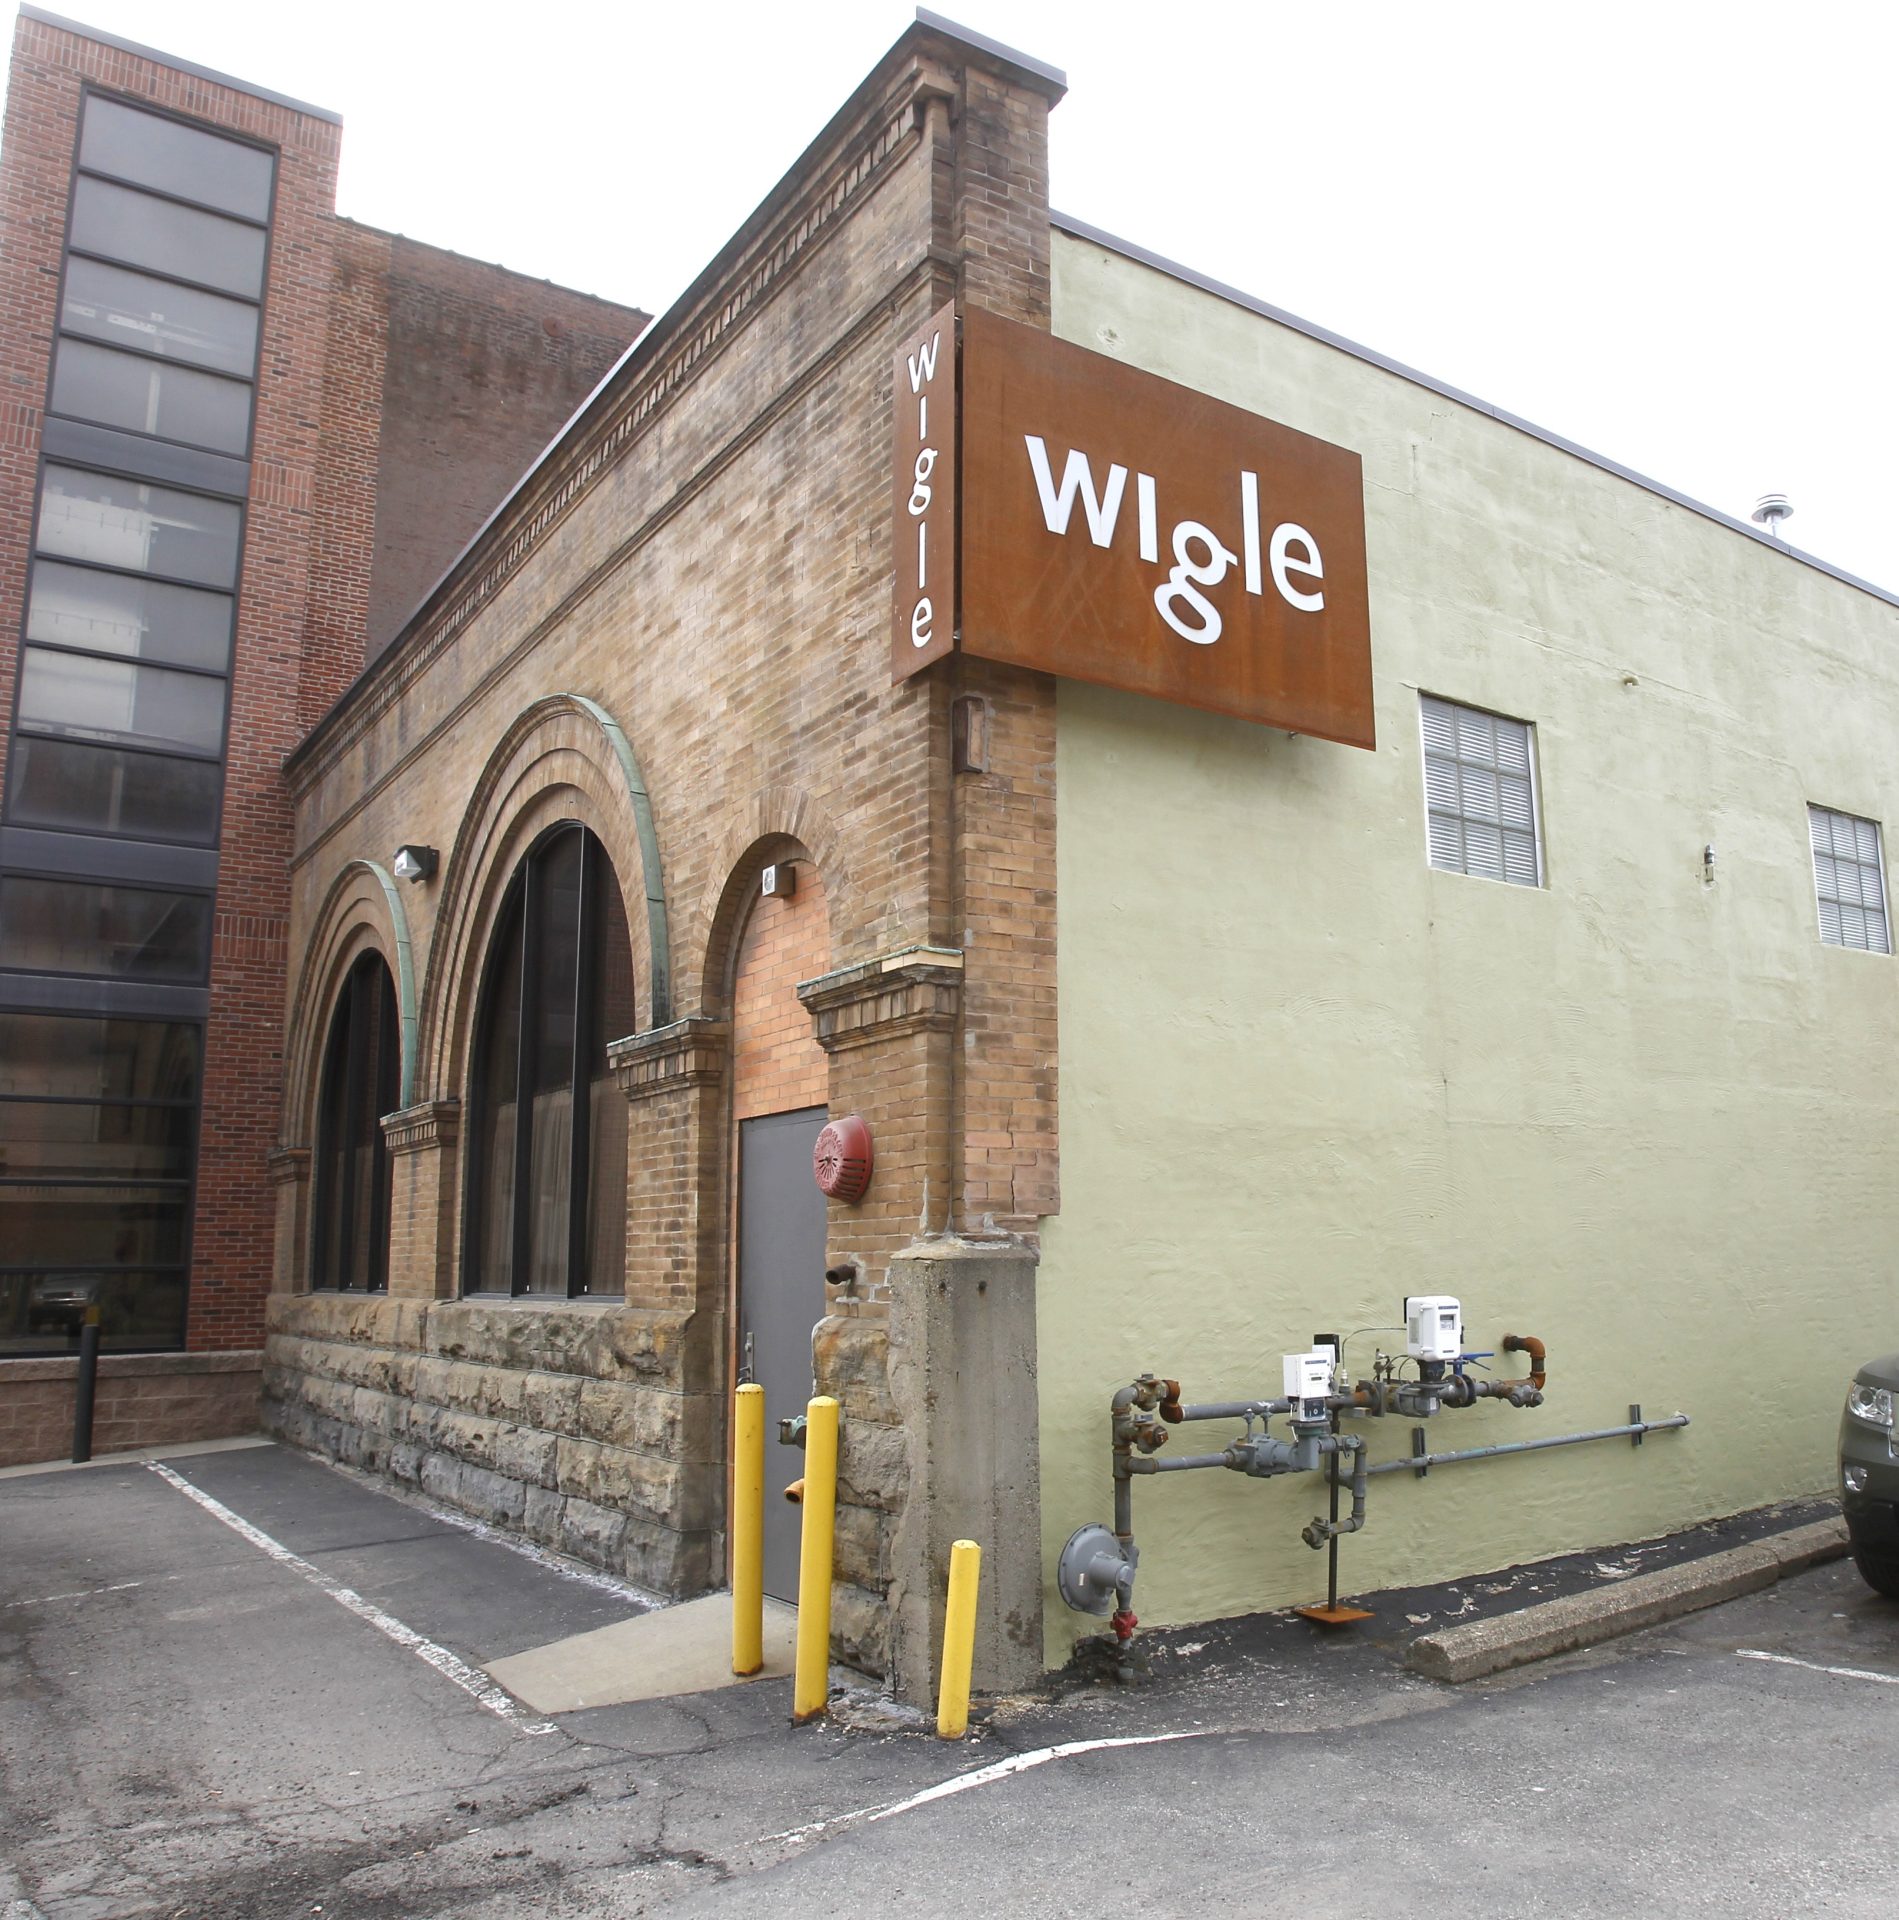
(1664, 230)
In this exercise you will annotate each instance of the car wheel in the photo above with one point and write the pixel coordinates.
(1880, 1571)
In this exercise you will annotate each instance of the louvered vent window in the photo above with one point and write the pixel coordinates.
(1480, 793)
(1849, 878)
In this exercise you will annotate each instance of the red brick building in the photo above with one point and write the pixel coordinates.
(240, 438)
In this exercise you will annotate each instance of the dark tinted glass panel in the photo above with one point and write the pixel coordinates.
(146, 619)
(42, 1311)
(77, 1226)
(150, 396)
(491, 1168)
(554, 893)
(126, 309)
(73, 1056)
(163, 153)
(77, 926)
(138, 527)
(361, 1080)
(112, 699)
(547, 1200)
(141, 231)
(46, 1140)
(86, 789)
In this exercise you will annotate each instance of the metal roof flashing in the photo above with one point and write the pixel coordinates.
(1053, 80)
(1096, 236)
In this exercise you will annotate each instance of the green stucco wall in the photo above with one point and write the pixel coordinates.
(1302, 1074)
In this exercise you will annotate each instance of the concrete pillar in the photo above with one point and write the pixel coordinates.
(962, 1376)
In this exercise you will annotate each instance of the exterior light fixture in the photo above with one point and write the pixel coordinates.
(415, 863)
(779, 881)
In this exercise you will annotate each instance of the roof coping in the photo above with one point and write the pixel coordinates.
(182, 66)
(1054, 79)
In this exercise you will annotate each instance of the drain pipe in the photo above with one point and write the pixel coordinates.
(1320, 1531)
(1630, 1430)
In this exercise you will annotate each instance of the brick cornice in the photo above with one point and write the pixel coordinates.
(688, 1053)
(916, 990)
(428, 1124)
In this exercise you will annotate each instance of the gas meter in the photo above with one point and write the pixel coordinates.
(1433, 1326)
(1308, 1380)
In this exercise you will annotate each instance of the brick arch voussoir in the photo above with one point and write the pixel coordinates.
(361, 913)
(557, 762)
(777, 823)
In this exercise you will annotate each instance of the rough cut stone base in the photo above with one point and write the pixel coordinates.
(565, 1422)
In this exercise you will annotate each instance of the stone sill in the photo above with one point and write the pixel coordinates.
(129, 1366)
(529, 1303)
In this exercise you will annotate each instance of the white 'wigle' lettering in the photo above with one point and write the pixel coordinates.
(923, 364)
(1078, 479)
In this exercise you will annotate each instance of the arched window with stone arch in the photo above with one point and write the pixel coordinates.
(546, 1184)
(360, 1083)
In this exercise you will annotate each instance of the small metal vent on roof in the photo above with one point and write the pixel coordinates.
(1770, 510)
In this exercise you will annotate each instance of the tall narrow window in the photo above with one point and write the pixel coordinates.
(1849, 878)
(546, 1200)
(361, 1082)
(98, 1126)
(1479, 793)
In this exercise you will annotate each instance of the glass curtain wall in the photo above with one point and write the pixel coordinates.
(115, 764)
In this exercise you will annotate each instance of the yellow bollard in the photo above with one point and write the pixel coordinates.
(811, 1690)
(748, 1529)
(959, 1641)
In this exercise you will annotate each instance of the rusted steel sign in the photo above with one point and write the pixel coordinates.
(924, 621)
(1121, 529)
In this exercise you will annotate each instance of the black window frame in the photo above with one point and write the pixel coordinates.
(84, 852)
(24, 1272)
(342, 1087)
(518, 922)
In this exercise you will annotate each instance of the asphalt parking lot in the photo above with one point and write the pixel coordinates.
(289, 1716)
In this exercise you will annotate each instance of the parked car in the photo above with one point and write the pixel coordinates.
(1869, 1473)
(59, 1303)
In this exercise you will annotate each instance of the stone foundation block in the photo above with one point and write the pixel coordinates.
(873, 1467)
(849, 1358)
(860, 1629)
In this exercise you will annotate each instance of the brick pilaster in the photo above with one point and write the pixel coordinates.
(424, 1167)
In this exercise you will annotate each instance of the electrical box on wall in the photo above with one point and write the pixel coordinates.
(1308, 1380)
(1433, 1326)
(779, 881)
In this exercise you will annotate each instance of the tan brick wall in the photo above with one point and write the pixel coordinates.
(777, 1064)
(706, 557)
(140, 1400)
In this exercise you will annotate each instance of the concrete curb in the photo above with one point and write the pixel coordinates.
(1582, 1619)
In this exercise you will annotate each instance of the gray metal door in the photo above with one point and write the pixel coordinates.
(780, 1299)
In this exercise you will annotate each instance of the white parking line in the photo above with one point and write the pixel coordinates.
(977, 1777)
(448, 1665)
(1812, 1666)
(84, 1593)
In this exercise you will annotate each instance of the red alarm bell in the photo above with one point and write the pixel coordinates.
(841, 1161)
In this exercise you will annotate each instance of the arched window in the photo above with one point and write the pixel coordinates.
(361, 1082)
(546, 1200)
